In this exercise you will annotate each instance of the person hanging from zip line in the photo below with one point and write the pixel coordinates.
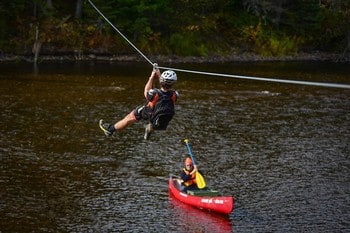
(188, 176)
(159, 109)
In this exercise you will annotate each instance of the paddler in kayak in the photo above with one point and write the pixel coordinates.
(188, 176)
(159, 109)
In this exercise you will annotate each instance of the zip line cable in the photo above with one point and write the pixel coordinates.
(121, 34)
(264, 79)
(322, 84)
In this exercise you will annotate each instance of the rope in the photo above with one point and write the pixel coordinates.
(336, 85)
(262, 79)
(121, 34)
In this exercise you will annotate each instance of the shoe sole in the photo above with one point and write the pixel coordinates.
(106, 132)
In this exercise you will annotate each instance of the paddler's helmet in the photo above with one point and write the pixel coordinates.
(188, 161)
(168, 78)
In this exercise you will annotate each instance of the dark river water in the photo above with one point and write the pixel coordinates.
(282, 150)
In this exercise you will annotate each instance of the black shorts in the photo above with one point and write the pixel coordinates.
(142, 113)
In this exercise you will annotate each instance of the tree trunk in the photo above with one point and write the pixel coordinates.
(279, 11)
(49, 5)
(35, 9)
(79, 9)
(37, 45)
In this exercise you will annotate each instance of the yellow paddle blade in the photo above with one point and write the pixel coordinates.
(200, 180)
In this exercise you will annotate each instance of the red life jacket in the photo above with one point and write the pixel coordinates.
(151, 104)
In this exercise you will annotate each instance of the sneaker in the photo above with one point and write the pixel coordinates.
(148, 131)
(106, 128)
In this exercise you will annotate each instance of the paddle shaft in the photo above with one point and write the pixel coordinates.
(190, 152)
(200, 180)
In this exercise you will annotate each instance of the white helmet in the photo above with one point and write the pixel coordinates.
(168, 77)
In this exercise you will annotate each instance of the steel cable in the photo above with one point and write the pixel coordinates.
(322, 84)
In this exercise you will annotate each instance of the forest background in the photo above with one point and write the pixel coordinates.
(199, 28)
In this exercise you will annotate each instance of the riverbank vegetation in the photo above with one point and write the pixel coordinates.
(202, 28)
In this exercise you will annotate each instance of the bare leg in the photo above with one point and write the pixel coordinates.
(125, 122)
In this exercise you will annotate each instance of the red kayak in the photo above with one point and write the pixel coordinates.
(204, 199)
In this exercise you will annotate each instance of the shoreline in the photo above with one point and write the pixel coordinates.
(246, 57)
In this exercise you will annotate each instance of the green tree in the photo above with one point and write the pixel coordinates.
(182, 27)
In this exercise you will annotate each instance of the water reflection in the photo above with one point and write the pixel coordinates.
(190, 219)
